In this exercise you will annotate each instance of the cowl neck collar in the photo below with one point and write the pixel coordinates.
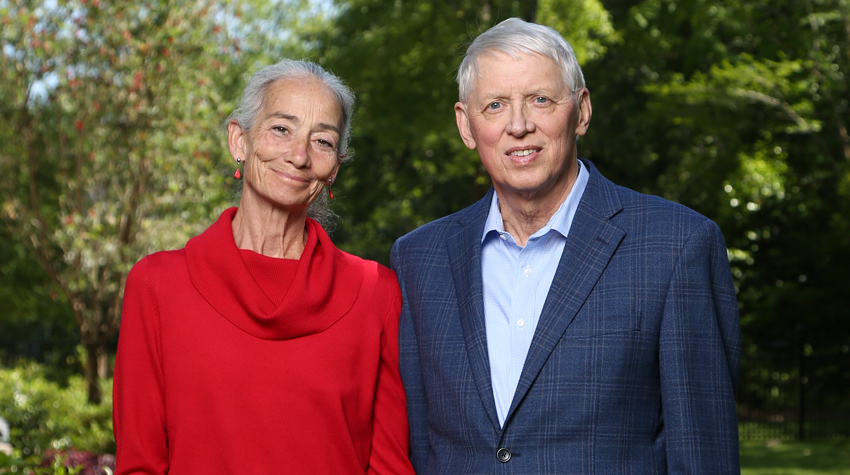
(324, 289)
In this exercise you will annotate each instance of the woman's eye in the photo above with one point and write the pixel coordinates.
(325, 143)
(541, 100)
(280, 128)
(495, 106)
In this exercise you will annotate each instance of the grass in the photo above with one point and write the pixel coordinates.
(791, 457)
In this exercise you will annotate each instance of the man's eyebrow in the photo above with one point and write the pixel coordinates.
(491, 96)
(321, 125)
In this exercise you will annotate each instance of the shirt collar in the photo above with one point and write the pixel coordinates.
(560, 221)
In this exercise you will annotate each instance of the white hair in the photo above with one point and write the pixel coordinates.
(516, 37)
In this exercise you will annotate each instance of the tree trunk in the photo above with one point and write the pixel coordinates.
(92, 379)
(103, 369)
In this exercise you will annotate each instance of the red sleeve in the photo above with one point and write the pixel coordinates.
(390, 438)
(138, 392)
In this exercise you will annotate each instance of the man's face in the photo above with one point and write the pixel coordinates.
(523, 119)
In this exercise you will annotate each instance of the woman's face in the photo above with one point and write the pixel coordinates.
(291, 152)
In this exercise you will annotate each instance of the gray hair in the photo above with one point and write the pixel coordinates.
(516, 37)
(254, 98)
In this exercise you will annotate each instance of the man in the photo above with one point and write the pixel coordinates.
(562, 324)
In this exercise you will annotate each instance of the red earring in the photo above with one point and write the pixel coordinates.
(330, 191)
(237, 175)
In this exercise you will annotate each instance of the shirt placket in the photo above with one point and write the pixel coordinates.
(526, 277)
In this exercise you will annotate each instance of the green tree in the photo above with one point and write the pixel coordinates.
(36, 320)
(111, 142)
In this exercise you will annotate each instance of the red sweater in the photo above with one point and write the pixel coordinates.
(213, 376)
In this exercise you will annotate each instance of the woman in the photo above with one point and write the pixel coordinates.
(260, 347)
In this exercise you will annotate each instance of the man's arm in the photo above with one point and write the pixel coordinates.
(411, 372)
(699, 356)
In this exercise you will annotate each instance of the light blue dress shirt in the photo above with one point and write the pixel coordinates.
(516, 282)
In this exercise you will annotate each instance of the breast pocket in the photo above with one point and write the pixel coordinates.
(588, 325)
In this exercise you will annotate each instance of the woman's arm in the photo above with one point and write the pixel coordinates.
(389, 424)
(138, 392)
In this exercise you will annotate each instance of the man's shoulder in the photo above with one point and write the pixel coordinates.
(637, 202)
(653, 215)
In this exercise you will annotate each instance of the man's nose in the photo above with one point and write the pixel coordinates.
(520, 121)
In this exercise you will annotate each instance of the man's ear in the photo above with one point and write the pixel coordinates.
(236, 140)
(462, 117)
(585, 111)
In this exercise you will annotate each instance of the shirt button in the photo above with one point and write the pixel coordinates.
(527, 271)
(521, 323)
(504, 455)
(504, 237)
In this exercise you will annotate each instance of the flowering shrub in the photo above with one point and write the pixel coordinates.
(82, 463)
(47, 420)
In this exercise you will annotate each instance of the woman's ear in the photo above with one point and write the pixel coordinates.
(236, 141)
(335, 171)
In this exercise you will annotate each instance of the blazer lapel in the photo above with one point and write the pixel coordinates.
(589, 247)
(464, 251)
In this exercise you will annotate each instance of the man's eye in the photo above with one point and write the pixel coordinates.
(541, 100)
(495, 106)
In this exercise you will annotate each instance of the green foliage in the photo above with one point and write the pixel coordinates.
(44, 415)
(586, 25)
(816, 457)
(37, 321)
(56, 467)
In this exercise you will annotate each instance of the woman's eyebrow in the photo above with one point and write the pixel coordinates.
(321, 125)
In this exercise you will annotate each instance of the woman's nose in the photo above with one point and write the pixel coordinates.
(299, 154)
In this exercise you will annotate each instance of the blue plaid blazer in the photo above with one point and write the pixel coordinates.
(633, 367)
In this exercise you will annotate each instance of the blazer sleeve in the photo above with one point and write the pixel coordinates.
(699, 356)
(389, 454)
(138, 398)
(411, 372)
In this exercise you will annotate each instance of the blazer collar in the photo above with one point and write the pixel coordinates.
(592, 242)
(464, 251)
(589, 247)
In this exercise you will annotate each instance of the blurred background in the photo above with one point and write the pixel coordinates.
(111, 147)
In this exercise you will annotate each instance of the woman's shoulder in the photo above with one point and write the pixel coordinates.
(380, 274)
(159, 266)
(161, 260)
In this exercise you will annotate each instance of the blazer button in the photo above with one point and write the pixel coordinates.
(504, 455)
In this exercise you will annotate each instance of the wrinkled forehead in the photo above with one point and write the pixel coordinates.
(544, 69)
(305, 94)
(504, 55)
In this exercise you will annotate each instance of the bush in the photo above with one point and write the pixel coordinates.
(45, 416)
